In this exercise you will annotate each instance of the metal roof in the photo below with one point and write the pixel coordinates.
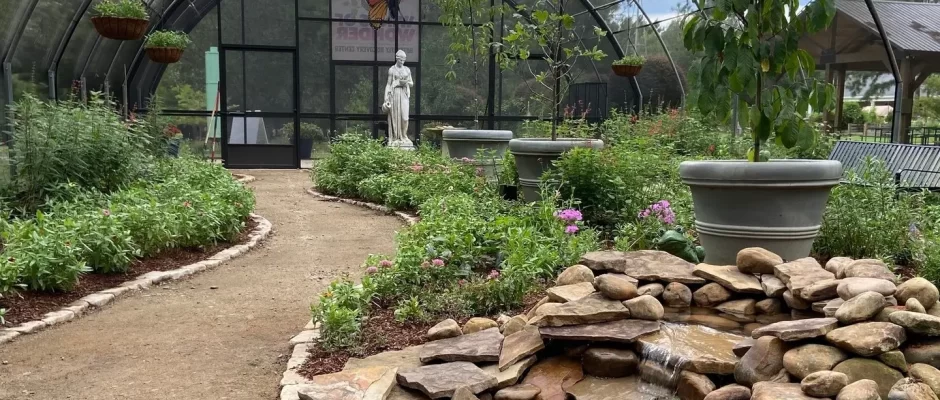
(910, 26)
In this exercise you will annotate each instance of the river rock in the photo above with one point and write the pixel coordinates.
(483, 346)
(927, 374)
(763, 362)
(860, 308)
(822, 290)
(757, 260)
(710, 295)
(773, 286)
(515, 324)
(371, 383)
(700, 349)
(677, 295)
(609, 363)
(442, 380)
(645, 307)
(520, 345)
(910, 389)
(809, 358)
(738, 307)
(865, 368)
(622, 331)
(535, 308)
(829, 310)
(651, 289)
(865, 389)
(730, 277)
(913, 305)
(575, 274)
(564, 294)
(659, 374)
(522, 391)
(922, 324)
(730, 392)
(824, 383)
(464, 393)
(794, 302)
(835, 265)
(741, 348)
(694, 386)
(918, 288)
(885, 314)
(590, 309)
(934, 309)
(894, 359)
(868, 338)
(798, 330)
(603, 261)
(447, 328)
(868, 268)
(851, 287)
(659, 266)
(926, 351)
(477, 324)
(615, 287)
(769, 306)
(778, 391)
(553, 376)
(800, 273)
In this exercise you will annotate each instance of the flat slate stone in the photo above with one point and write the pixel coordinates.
(439, 381)
(371, 383)
(868, 339)
(797, 330)
(520, 345)
(604, 261)
(590, 309)
(483, 346)
(779, 391)
(553, 376)
(701, 349)
(510, 375)
(730, 277)
(801, 273)
(566, 293)
(592, 388)
(773, 286)
(623, 331)
(654, 265)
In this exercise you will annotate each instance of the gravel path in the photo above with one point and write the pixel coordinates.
(185, 340)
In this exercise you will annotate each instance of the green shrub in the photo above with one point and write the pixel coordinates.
(44, 253)
(121, 9)
(852, 113)
(339, 312)
(353, 159)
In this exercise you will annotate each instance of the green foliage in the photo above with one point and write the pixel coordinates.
(852, 113)
(43, 253)
(163, 38)
(750, 48)
(339, 312)
(409, 310)
(121, 9)
(630, 59)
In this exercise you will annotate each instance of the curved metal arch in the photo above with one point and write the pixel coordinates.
(666, 49)
(60, 49)
(634, 83)
(159, 25)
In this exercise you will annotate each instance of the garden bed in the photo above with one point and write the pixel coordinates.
(32, 305)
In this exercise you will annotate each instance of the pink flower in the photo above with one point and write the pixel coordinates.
(385, 263)
(494, 274)
(425, 265)
(571, 229)
(437, 262)
(480, 171)
(569, 215)
(371, 270)
(417, 167)
(466, 159)
(187, 204)
(106, 212)
(462, 282)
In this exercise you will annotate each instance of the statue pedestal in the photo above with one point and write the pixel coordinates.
(405, 144)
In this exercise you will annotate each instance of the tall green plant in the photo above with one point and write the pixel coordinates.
(750, 51)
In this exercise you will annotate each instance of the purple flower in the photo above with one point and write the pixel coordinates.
(494, 274)
(480, 171)
(385, 263)
(371, 270)
(569, 215)
(661, 209)
(437, 262)
(571, 229)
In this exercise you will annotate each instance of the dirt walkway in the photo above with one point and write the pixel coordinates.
(187, 341)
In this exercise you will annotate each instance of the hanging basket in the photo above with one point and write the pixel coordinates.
(627, 70)
(164, 55)
(120, 28)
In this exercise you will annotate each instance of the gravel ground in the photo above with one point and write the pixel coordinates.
(185, 340)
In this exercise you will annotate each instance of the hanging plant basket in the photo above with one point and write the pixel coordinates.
(627, 70)
(164, 55)
(120, 28)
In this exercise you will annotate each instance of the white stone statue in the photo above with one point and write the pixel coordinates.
(397, 95)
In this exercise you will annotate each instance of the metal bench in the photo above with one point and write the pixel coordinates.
(915, 167)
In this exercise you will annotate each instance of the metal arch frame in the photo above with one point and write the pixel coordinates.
(666, 49)
(169, 10)
(635, 84)
(60, 49)
(11, 49)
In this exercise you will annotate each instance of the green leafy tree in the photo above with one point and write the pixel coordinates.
(750, 49)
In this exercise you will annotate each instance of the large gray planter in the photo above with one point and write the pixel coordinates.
(777, 205)
(465, 143)
(534, 156)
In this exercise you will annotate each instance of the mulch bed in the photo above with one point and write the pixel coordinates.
(381, 333)
(29, 305)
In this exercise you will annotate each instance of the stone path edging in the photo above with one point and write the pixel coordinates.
(94, 301)
(409, 218)
(291, 380)
(244, 178)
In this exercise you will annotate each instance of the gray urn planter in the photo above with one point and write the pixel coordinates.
(777, 205)
(465, 143)
(534, 156)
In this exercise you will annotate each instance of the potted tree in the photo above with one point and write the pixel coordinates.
(310, 133)
(629, 65)
(166, 47)
(748, 50)
(121, 19)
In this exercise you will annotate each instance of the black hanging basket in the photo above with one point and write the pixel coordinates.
(120, 28)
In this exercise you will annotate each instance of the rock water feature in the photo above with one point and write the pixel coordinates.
(647, 325)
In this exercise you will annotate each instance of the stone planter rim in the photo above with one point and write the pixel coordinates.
(798, 172)
(476, 135)
(537, 146)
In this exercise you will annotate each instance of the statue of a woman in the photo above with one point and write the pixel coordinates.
(397, 95)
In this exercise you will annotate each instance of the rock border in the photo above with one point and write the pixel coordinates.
(97, 300)
(244, 178)
(409, 218)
